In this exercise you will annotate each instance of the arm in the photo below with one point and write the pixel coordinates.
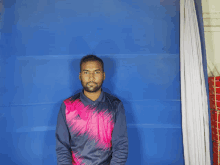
(119, 138)
(63, 149)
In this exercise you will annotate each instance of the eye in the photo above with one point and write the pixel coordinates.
(85, 72)
(97, 72)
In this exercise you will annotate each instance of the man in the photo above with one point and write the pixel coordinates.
(91, 125)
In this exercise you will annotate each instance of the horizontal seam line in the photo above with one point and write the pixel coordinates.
(49, 128)
(11, 105)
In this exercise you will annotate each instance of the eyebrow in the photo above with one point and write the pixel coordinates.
(94, 70)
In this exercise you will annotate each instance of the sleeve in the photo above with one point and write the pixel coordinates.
(119, 138)
(63, 149)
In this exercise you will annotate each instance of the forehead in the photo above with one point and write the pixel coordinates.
(91, 65)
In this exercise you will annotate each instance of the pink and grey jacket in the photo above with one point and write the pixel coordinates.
(91, 132)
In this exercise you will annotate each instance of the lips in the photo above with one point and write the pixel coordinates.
(91, 84)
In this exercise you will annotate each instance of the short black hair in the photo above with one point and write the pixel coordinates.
(91, 57)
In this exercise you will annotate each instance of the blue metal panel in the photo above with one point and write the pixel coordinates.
(41, 45)
(146, 77)
(152, 145)
(70, 27)
(33, 147)
(153, 112)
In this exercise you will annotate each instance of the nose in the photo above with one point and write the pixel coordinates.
(91, 76)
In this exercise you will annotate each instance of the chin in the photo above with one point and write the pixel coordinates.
(93, 90)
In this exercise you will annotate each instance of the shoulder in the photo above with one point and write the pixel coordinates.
(112, 98)
(69, 103)
(116, 103)
(71, 99)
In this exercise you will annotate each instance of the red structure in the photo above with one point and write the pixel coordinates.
(214, 97)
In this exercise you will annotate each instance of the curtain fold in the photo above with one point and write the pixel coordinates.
(199, 14)
(194, 85)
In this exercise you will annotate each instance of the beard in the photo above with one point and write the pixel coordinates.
(91, 87)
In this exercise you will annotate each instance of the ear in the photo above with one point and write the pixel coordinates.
(104, 76)
(80, 76)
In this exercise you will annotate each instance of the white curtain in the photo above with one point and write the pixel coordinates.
(195, 120)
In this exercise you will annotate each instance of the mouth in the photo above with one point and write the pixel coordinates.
(91, 84)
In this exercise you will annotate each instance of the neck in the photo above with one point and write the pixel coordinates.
(93, 95)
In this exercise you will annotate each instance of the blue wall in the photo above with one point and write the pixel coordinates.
(42, 42)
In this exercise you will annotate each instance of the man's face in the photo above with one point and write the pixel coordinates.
(91, 76)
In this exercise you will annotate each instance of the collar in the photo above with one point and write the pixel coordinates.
(86, 101)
